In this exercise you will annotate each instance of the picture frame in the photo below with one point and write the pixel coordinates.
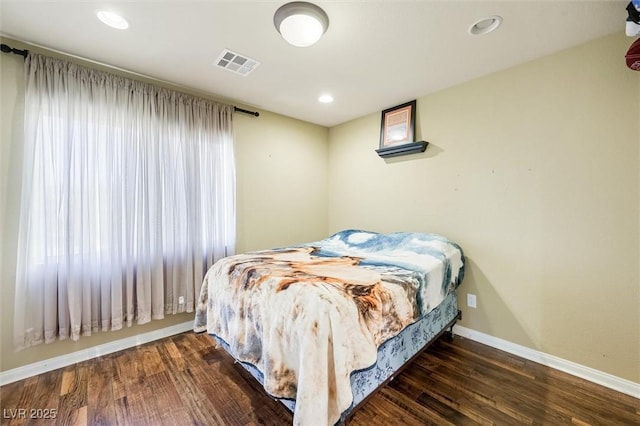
(397, 126)
(397, 131)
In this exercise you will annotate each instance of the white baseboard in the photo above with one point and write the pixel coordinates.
(36, 368)
(608, 380)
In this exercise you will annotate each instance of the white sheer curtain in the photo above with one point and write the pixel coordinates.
(128, 197)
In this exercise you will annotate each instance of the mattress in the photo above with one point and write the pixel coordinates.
(308, 316)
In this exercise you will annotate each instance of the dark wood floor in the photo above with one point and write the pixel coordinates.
(185, 379)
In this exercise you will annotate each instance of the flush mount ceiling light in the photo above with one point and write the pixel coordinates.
(112, 19)
(300, 23)
(485, 25)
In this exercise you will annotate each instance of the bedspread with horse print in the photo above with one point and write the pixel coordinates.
(308, 316)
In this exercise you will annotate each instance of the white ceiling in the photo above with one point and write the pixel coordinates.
(375, 54)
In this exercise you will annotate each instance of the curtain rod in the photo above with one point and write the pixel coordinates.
(246, 111)
(8, 49)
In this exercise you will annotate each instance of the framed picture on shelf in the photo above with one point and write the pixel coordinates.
(397, 132)
(398, 125)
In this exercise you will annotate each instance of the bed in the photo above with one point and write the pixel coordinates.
(323, 324)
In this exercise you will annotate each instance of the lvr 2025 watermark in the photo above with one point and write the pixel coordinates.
(29, 413)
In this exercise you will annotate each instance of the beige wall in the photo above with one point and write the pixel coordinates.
(535, 172)
(282, 181)
(281, 199)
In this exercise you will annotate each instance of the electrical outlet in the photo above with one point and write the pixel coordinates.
(471, 300)
(181, 300)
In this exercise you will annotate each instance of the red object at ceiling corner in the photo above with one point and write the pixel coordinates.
(633, 56)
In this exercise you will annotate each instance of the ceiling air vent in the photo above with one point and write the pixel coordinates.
(236, 63)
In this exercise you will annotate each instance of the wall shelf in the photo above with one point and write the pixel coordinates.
(404, 149)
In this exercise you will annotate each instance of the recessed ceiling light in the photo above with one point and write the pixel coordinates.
(485, 25)
(112, 19)
(325, 99)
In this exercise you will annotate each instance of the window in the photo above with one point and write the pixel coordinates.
(128, 197)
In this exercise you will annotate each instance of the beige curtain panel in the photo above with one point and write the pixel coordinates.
(128, 197)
